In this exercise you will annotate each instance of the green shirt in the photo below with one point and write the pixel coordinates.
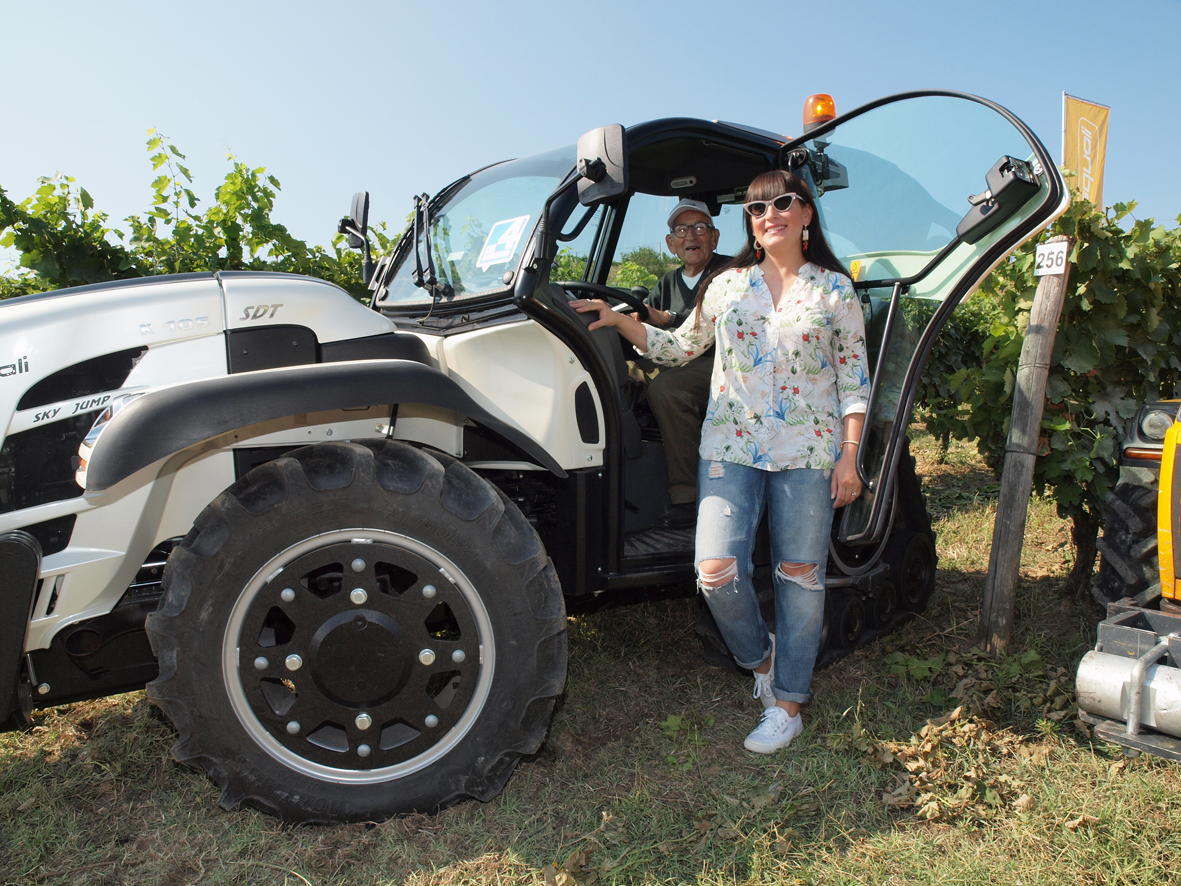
(672, 295)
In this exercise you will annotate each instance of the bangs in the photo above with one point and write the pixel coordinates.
(771, 184)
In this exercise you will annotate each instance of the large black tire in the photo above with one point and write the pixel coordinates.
(1128, 563)
(358, 630)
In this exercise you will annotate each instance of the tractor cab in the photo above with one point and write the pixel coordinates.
(920, 196)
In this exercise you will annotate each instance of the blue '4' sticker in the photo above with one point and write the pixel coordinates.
(502, 242)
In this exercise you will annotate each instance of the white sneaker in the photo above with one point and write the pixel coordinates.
(775, 731)
(763, 682)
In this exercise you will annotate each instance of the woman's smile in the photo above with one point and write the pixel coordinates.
(775, 227)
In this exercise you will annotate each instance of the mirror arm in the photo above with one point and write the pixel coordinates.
(542, 235)
(582, 223)
(367, 265)
(526, 279)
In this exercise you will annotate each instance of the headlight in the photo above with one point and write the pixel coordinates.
(1156, 424)
(87, 447)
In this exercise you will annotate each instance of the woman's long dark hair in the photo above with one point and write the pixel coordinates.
(768, 186)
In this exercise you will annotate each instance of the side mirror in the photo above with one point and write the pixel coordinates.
(356, 225)
(602, 163)
(356, 228)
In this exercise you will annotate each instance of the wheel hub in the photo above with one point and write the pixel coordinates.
(358, 654)
(360, 658)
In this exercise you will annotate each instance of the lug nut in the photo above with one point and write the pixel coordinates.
(363, 750)
(287, 595)
(358, 595)
(261, 663)
(363, 721)
(293, 662)
(428, 591)
(431, 721)
(293, 727)
(458, 656)
(358, 565)
(427, 656)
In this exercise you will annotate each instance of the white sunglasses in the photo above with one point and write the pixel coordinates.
(782, 203)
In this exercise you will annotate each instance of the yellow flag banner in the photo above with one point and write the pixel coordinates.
(1084, 145)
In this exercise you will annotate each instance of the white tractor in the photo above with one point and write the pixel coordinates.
(336, 542)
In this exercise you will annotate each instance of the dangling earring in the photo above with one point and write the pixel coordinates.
(758, 251)
(804, 237)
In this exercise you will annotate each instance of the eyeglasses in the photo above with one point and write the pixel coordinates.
(782, 203)
(700, 229)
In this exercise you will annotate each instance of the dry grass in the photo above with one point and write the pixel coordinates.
(643, 778)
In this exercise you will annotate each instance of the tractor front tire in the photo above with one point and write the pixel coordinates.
(355, 631)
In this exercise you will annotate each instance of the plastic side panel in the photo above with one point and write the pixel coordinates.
(54, 333)
(1168, 511)
(174, 362)
(275, 299)
(114, 534)
(106, 549)
(195, 485)
(522, 372)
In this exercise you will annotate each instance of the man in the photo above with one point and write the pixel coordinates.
(678, 395)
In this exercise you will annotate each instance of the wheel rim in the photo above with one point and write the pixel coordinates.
(917, 573)
(358, 656)
(852, 622)
(885, 603)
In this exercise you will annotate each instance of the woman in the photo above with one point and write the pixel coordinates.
(787, 404)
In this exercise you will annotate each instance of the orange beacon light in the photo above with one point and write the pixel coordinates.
(819, 108)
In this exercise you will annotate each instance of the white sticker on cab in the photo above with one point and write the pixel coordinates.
(502, 242)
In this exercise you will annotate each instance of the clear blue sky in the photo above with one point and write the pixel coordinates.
(402, 97)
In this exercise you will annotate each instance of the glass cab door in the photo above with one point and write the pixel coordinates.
(905, 200)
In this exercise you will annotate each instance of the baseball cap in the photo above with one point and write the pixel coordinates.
(687, 204)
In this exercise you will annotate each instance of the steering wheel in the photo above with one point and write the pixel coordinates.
(596, 290)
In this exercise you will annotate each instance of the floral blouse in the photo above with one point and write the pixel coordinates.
(783, 379)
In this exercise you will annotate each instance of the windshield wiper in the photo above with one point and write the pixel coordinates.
(426, 279)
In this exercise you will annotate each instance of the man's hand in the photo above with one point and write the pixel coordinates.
(626, 324)
(657, 317)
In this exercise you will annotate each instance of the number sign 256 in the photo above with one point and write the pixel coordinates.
(1050, 258)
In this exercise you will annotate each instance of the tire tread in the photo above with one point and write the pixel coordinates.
(405, 471)
(1128, 564)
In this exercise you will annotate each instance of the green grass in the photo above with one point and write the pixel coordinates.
(644, 768)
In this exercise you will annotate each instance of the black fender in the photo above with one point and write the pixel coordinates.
(166, 421)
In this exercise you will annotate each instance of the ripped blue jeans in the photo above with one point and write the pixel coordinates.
(731, 498)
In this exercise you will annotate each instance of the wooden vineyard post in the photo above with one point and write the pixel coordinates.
(1029, 398)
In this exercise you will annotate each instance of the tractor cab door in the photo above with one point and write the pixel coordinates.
(920, 196)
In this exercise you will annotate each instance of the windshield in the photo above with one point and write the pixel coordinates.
(481, 231)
